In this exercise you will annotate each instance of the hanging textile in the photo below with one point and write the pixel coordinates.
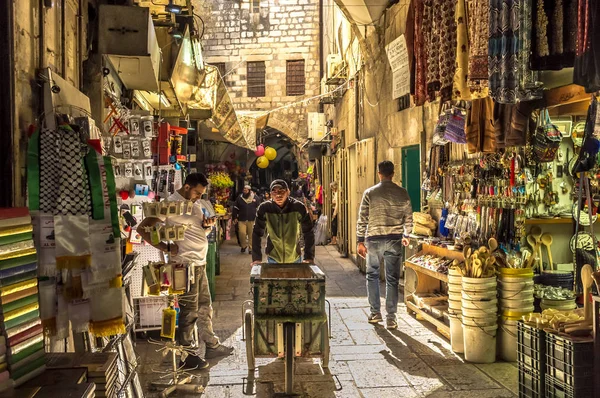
(478, 20)
(554, 32)
(461, 89)
(106, 309)
(503, 50)
(530, 87)
(587, 58)
(439, 28)
(415, 41)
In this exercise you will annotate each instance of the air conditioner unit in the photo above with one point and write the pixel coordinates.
(334, 65)
(127, 38)
(316, 126)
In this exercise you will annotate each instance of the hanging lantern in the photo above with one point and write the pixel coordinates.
(270, 153)
(262, 162)
(260, 150)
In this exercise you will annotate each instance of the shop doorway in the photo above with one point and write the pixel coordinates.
(411, 174)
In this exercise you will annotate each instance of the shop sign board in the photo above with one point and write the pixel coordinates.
(398, 57)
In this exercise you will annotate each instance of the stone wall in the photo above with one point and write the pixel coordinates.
(271, 31)
(61, 50)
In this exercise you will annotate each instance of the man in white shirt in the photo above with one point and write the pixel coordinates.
(195, 306)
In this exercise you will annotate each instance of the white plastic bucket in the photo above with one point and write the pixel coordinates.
(563, 305)
(480, 296)
(455, 296)
(488, 305)
(516, 304)
(454, 272)
(455, 288)
(489, 320)
(479, 284)
(454, 304)
(519, 284)
(480, 343)
(456, 334)
(454, 280)
(507, 340)
(516, 294)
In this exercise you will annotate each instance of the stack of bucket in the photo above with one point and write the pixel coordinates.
(479, 319)
(516, 299)
(455, 310)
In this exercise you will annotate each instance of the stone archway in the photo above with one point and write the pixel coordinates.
(286, 127)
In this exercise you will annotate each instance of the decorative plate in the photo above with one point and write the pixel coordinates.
(584, 218)
(584, 241)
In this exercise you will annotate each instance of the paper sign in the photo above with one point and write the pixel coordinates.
(398, 58)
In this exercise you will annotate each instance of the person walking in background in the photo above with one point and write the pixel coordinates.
(282, 218)
(334, 212)
(244, 214)
(384, 223)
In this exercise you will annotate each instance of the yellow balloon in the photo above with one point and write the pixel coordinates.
(262, 162)
(270, 153)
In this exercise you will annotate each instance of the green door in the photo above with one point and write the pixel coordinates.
(411, 174)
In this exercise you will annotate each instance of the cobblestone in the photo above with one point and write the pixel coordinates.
(366, 360)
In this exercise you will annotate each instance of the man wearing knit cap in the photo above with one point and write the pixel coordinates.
(281, 218)
(244, 214)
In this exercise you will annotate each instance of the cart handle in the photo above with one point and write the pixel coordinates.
(329, 323)
(245, 304)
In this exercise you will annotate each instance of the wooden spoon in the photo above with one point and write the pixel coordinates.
(492, 244)
(587, 280)
(536, 232)
(547, 241)
(533, 243)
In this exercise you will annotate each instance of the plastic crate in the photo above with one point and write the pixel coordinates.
(531, 340)
(557, 389)
(569, 355)
(531, 383)
(571, 376)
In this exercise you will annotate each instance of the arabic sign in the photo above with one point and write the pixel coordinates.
(398, 58)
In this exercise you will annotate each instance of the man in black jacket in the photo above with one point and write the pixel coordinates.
(244, 214)
(282, 217)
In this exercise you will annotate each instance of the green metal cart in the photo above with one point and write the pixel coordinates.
(287, 318)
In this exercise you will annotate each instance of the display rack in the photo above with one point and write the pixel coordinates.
(423, 282)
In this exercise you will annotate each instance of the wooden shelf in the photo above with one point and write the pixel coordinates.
(426, 271)
(439, 324)
(549, 221)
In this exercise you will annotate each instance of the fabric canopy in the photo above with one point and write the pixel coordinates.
(239, 128)
(363, 11)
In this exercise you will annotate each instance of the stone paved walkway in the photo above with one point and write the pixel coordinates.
(366, 360)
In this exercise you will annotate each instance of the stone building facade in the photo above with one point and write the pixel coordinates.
(241, 33)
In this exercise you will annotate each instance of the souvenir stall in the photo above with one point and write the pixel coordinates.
(504, 253)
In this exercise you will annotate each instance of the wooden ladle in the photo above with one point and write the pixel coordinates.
(492, 244)
(587, 280)
(536, 232)
(534, 243)
(547, 241)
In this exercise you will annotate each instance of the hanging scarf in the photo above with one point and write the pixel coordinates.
(107, 313)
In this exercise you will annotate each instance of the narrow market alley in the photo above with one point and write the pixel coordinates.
(366, 360)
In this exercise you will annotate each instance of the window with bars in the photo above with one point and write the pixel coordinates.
(255, 79)
(295, 79)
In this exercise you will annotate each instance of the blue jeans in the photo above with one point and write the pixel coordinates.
(390, 251)
(270, 260)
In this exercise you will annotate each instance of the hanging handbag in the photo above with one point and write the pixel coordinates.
(455, 125)
(588, 154)
(546, 139)
(451, 124)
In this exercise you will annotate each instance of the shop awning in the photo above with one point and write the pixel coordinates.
(363, 11)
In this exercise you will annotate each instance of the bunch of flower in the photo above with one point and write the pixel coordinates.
(220, 180)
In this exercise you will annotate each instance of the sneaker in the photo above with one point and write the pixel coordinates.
(375, 318)
(391, 324)
(243, 250)
(218, 351)
(194, 362)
